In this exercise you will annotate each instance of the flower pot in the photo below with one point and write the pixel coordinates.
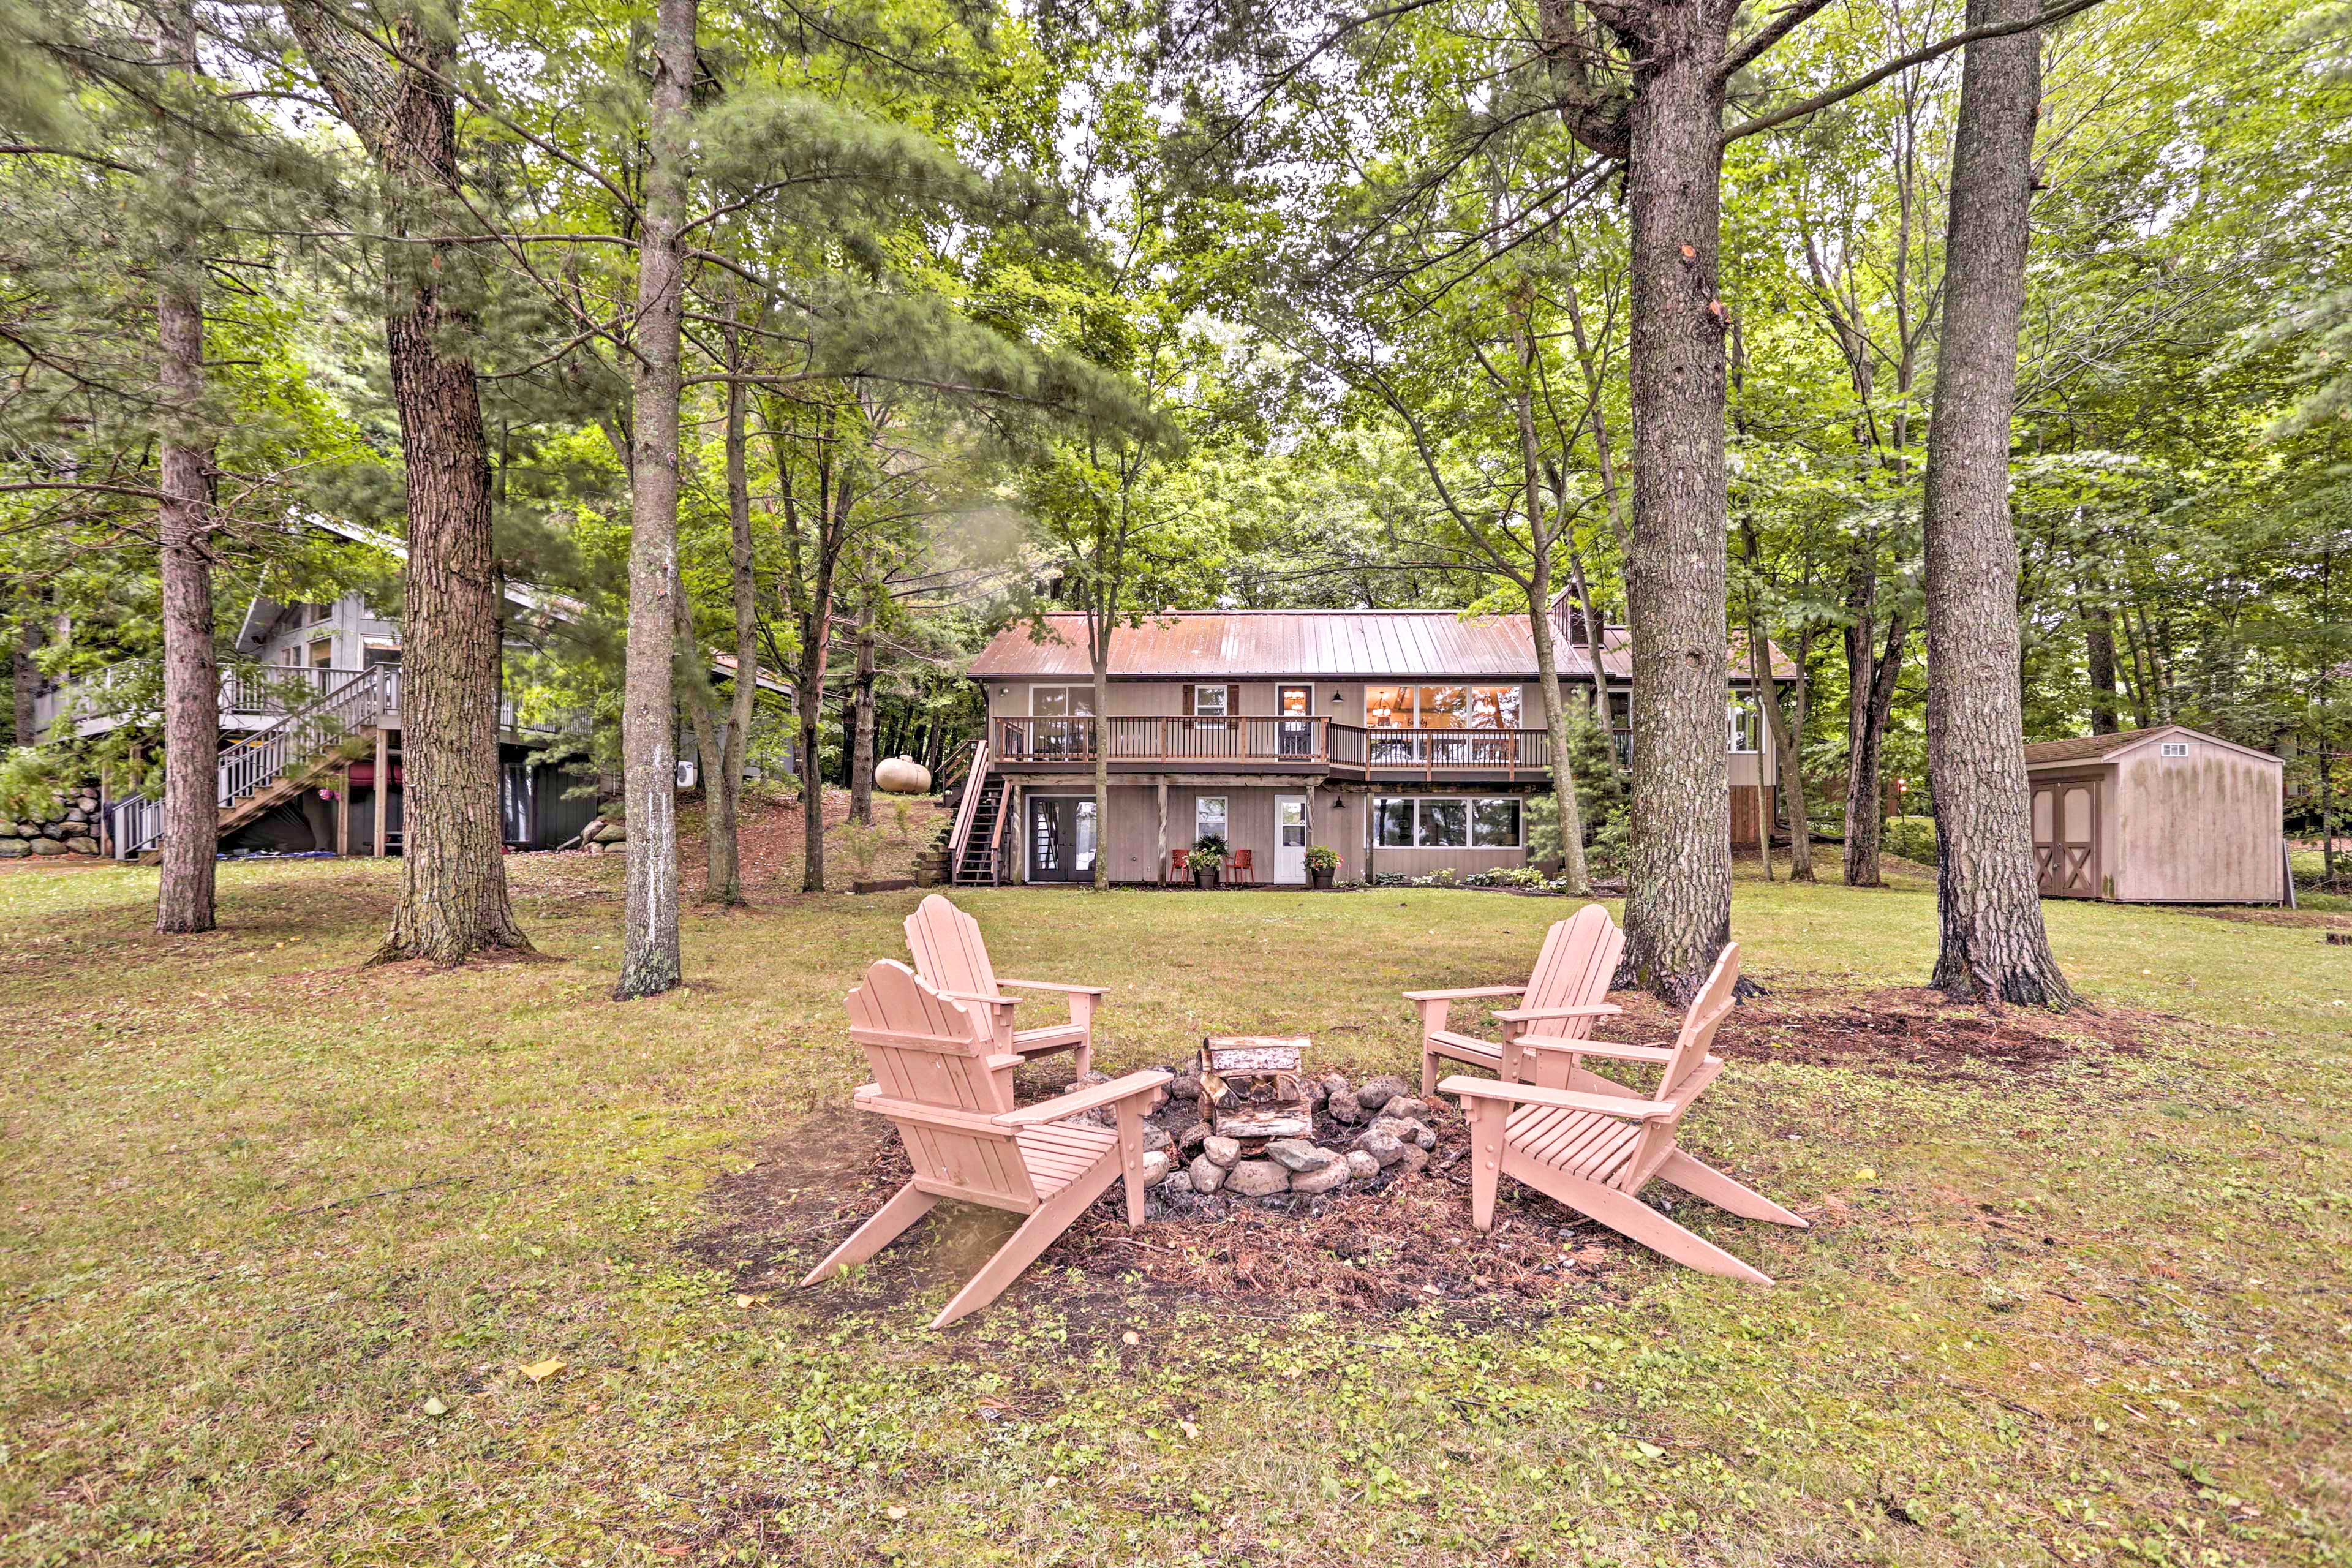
(1204, 876)
(1319, 877)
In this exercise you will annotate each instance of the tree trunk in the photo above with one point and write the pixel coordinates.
(1785, 755)
(191, 678)
(1865, 800)
(1994, 948)
(2099, 661)
(27, 683)
(1678, 911)
(723, 880)
(453, 881)
(861, 746)
(649, 939)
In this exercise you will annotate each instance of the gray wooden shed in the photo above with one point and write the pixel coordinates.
(2166, 816)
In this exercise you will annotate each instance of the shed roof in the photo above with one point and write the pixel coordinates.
(2107, 748)
(1346, 645)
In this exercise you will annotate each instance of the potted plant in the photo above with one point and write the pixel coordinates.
(1322, 862)
(1208, 859)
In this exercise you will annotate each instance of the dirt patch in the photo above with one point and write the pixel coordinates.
(1901, 1029)
(2263, 915)
(1398, 1244)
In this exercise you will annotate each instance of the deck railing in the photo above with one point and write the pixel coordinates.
(1276, 740)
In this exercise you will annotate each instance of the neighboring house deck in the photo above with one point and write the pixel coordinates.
(1407, 741)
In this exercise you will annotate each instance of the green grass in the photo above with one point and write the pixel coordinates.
(266, 1211)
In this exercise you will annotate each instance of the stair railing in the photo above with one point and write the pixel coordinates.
(975, 783)
(263, 757)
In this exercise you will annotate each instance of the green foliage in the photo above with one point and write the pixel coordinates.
(1912, 837)
(31, 778)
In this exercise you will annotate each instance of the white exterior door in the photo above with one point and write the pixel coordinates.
(1290, 840)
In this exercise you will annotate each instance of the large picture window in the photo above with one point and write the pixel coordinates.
(1062, 701)
(1208, 816)
(1441, 707)
(1445, 822)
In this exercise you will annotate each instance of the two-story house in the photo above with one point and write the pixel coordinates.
(1409, 741)
(310, 730)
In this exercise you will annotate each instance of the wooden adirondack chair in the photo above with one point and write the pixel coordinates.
(950, 953)
(1594, 1144)
(1564, 990)
(939, 1078)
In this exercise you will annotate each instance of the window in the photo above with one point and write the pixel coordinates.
(1208, 816)
(2172, 748)
(1212, 701)
(1445, 822)
(1743, 725)
(322, 654)
(1062, 701)
(1495, 824)
(1441, 707)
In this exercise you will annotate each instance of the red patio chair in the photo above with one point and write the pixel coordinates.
(1242, 871)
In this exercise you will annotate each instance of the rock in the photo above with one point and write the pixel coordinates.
(1156, 1138)
(1299, 1154)
(1193, 1137)
(1220, 1151)
(82, 846)
(1385, 1147)
(1177, 1182)
(1405, 1108)
(1362, 1167)
(74, 814)
(1379, 1092)
(1206, 1174)
(1315, 1092)
(46, 847)
(1346, 1109)
(1425, 1139)
(595, 847)
(1411, 1133)
(1086, 1080)
(1323, 1179)
(28, 830)
(53, 831)
(1334, 1083)
(1155, 1166)
(14, 849)
(1413, 1160)
(7, 830)
(89, 803)
(1257, 1179)
(610, 832)
(1185, 1086)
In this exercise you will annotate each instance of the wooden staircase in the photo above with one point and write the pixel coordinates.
(976, 847)
(272, 765)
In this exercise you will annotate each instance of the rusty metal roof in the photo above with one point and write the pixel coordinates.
(1328, 645)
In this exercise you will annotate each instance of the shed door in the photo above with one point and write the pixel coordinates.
(2065, 837)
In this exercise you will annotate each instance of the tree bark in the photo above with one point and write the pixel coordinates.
(1867, 708)
(861, 739)
(1785, 754)
(1098, 649)
(28, 682)
(649, 937)
(1994, 948)
(184, 901)
(722, 791)
(1678, 910)
(2099, 661)
(453, 882)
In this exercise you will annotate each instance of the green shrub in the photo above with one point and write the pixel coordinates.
(1912, 837)
(30, 781)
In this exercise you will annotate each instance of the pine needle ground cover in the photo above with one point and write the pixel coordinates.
(308, 1263)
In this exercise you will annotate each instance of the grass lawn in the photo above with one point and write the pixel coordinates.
(281, 1235)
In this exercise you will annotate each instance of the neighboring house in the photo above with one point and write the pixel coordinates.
(311, 733)
(1409, 741)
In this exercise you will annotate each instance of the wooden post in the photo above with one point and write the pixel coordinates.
(1161, 791)
(383, 785)
(343, 815)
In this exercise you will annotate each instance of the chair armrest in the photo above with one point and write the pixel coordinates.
(1656, 1056)
(1467, 994)
(1064, 1106)
(981, 997)
(1530, 1015)
(1002, 1064)
(1560, 1098)
(1053, 985)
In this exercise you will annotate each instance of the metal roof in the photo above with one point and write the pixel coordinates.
(1328, 645)
(2106, 748)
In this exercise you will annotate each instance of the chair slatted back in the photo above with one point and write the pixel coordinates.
(948, 948)
(1574, 969)
(1676, 1083)
(926, 1048)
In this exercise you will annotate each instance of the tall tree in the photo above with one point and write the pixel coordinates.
(185, 898)
(398, 95)
(1994, 947)
(649, 935)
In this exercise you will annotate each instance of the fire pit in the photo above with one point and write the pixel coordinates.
(1248, 1121)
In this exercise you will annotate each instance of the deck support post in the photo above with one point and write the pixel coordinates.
(1160, 793)
(383, 785)
(343, 815)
